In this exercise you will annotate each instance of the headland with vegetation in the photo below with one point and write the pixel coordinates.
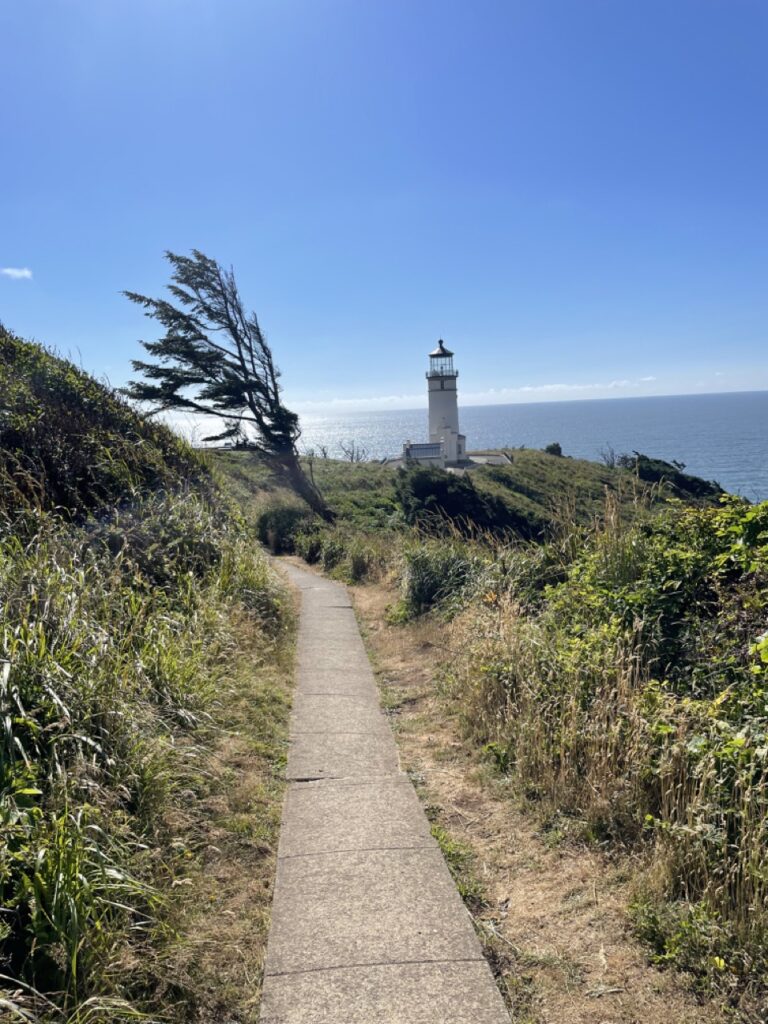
(600, 637)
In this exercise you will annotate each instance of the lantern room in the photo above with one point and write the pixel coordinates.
(441, 362)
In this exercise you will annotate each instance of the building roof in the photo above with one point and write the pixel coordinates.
(441, 350)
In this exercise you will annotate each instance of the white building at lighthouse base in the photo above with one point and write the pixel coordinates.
(448, 450)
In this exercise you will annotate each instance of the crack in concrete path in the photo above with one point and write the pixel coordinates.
(367, 925)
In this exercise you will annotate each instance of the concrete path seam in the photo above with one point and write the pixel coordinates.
(377, 963)
(351, 849)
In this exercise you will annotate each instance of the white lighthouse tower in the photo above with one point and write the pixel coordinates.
(447, 447)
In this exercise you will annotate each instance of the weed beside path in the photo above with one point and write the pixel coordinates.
(229, 831)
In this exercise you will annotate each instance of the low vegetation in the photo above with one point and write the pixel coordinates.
(128, 585)
(525, 497)
(629, 696)
(610, 659)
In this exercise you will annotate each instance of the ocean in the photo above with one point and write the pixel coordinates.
(719, 437)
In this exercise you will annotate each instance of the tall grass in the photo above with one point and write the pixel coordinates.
(113, 639)
(124, 575)
(631, 695)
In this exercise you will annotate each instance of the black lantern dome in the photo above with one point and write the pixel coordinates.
(441, 362)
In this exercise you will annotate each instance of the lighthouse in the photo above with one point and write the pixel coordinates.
(443, 403)
(446, 447)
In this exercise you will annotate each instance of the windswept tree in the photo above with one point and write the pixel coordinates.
(214, 359)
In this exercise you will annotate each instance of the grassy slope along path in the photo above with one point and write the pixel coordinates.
(367, 925)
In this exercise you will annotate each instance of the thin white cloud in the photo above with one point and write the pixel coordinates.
(379, 402)
(16, 273)
(610, 386)
(553, 391)
(492, 396)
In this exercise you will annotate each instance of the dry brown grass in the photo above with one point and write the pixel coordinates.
(554, 920)
(212, 968)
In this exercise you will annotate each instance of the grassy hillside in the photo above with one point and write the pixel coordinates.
(538, 485)
(128, 589)
(70, 443)
(527, 497)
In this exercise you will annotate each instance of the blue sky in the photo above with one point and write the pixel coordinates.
(571, 192)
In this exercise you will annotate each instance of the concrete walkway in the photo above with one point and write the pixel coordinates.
(367, 925)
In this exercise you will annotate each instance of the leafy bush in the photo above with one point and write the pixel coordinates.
(333, 551)
(440, 502)
(347, 554)
(683, 485)
(308, 544)
(360, 561)
(278, 524)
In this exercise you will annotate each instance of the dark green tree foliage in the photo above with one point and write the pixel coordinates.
(682, 485)
(214, 359)
(432, 497)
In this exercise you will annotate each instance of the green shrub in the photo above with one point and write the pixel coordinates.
(435, 571)
(349, 555)
(308, 544)
(278, 524)
(693, 938)
(359, 561)
(333, 551)
(444, 503)
(683, 485)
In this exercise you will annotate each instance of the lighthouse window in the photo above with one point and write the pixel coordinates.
(441, 365)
